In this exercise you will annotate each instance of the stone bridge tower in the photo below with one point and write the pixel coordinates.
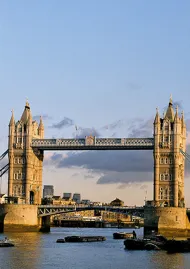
(169, 163)
(25, 164)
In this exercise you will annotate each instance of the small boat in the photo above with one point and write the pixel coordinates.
(6, 243)
(84, 238)
(157, 242)
(61, 240)
(178, 246)
(122, 235)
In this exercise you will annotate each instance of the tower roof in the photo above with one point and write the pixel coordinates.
(157, 117)
(41, 125)
(12, 120)
(26, 113)
(170, 111)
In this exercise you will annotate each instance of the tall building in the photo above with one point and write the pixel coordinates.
(67, 195)
(25, 164)
(77, 197)
(48, 191)
(169, 162)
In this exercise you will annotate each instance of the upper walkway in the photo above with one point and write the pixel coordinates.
(94, 143)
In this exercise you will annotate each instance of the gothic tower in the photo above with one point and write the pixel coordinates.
(25, 164)
(169, 162)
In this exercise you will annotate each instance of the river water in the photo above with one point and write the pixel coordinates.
(40, 251)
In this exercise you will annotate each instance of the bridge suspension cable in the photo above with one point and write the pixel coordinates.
(186, 155)
(3, 155)
(4, 170)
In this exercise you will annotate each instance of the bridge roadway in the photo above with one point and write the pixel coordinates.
(49, 210)
(94, 143)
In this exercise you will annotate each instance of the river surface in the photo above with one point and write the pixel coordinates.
(40, 251)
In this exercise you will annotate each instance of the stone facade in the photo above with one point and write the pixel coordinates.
(19, 218)
(168, 221)
(169, 162)
(25, 164)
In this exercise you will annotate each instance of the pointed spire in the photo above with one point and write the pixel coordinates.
(26, 113)
(29, 121)
(170, 111)
(12, 120)
(27, 104)
(170, 102)
(41, 125)
(176, 115)
(157, 117)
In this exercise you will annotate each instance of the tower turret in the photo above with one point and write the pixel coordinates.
(41, 128)
(25, 164)
(169, 163)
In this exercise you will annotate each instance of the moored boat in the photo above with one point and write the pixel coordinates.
(178, 246)
(153, 243)
(122, 235)
(81, 239)
(61, 240)
(6, 243)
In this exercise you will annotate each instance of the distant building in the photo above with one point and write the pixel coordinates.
(57, 200)
(85, 202)
(77, 197)
(117, 202)
(67, 196)
(48, 191)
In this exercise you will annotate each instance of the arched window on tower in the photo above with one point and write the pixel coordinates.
(15, 191)
(166, 177)
(166, 126)
(166, 160)
(161, 177)
(161, 160)
(161, 193)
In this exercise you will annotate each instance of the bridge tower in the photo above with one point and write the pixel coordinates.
(169, 163)
(25, 164)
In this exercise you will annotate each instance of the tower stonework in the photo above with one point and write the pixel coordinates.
(25, 164)
(169, 162)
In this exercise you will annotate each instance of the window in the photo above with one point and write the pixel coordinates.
(170, 160)
(15, 160)
(161, 160)
(20, 140)
(161, 176)
(166, 127)
(166, 160)
(170, 177)
(166, 177)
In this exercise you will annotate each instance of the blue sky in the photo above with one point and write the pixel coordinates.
(95, 62)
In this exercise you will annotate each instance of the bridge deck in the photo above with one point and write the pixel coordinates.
(93, 143)
(48, 210)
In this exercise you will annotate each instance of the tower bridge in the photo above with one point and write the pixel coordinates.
(26, 146)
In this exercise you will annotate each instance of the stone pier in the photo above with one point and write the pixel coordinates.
(168, 221)
(21, 218)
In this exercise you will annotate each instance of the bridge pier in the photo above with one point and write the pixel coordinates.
(168, 221)
(19, 218)
(45, 224)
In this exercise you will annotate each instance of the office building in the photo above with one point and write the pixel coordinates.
(77, 197)
(48, 191)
